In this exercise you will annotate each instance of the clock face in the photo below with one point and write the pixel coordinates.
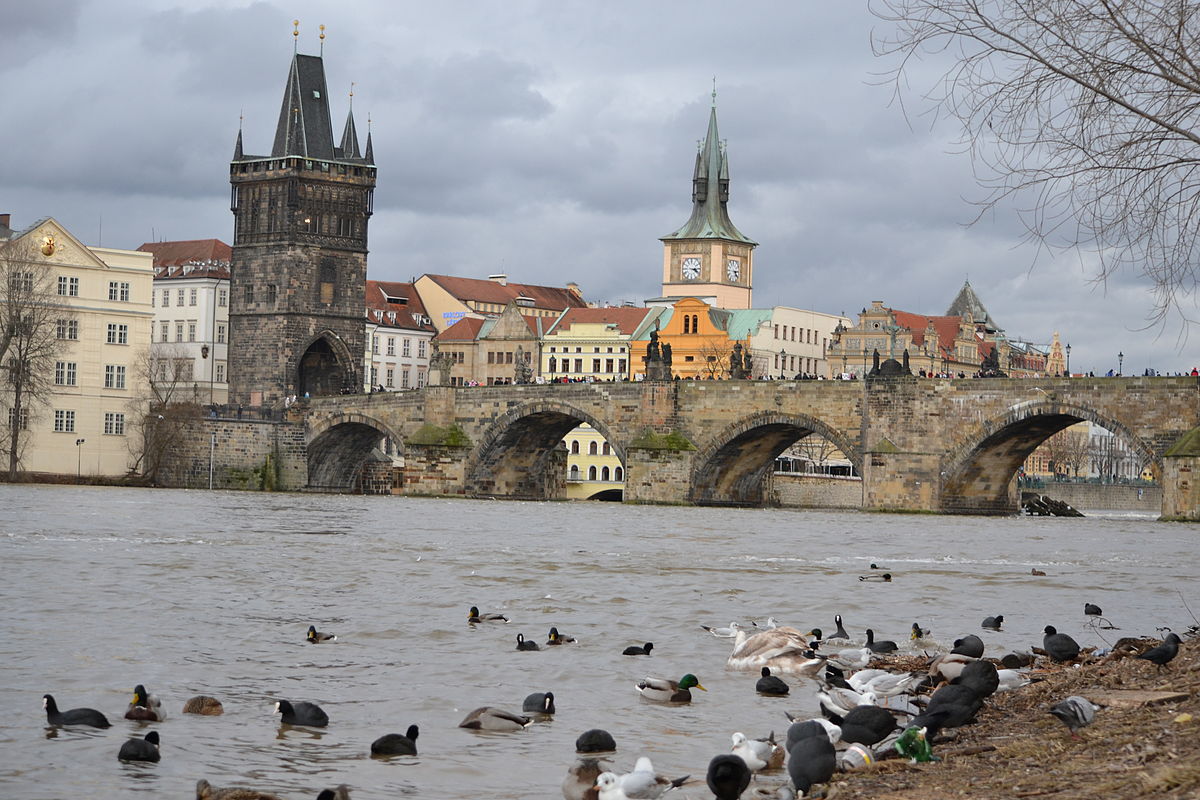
(691, 268)
(733, 269)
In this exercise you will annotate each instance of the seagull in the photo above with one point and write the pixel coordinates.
(768, 625)
(636, 785)
(843, 701)
(725, 633)
(1163, 653)
(1075, 712)
(757, 753)
(853, 658)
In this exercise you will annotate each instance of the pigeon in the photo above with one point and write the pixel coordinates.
(1059, 646)
(993, 623)
(728, 776)
(1092, 610)
(1075, 712)
(1163, 653)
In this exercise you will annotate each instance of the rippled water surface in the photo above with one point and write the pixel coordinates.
(212, 592)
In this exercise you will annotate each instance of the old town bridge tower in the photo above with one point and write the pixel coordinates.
(299, 251)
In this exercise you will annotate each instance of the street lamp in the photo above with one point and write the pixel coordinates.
(79, 460)
(865, 352)
(204, 355)
(1120, 363)
(1068, 359)
(782, 361)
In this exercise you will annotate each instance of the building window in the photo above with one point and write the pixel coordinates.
(64, 421)
(68, 329)
(114, 423)
(222, 297)
(491, 357)
(220, 333)
(592, 448)
(272, 293)
(166, 300)
(114, 376)
(604, 473)
(191, 297)
(68, 287)
(404, 379)
(578, 364)
(420, 379)
(391, 378)
(249, 293)
(220, 374)
(119, 291)
(574, 472)
(374, 345)
(595, 365)
(406, 348)
(191, 330)
(605, 449)
(164, 330)
(592, 473)
(12, 418)
(391, 345)
(618, 474)
(179, 297)
(421, 344)
(118, 334)
(608, 365)
(621, 366)
(574, 447)
(64, 373)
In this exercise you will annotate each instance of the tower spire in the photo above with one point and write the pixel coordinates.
(295, 36)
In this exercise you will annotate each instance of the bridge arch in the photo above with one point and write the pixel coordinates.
(518, 454)
(977, 472)
(733, 467)
(341, 445)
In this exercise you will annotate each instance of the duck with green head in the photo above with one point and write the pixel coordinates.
(662, 690)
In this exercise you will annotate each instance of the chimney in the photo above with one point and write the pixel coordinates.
(499, 278)
(573, 288)
(4, 219)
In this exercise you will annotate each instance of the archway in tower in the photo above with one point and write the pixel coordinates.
(323, 369)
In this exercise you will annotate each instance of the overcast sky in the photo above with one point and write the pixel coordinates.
(553, 141)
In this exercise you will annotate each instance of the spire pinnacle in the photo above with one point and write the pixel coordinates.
(714, 92)
(352, 101)
(322, 27)
(295, 35)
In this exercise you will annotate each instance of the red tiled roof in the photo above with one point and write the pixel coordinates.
(489, 291)
(191, 251)
(946, 327)
(626, 319)
(377, 294)
(465, 330)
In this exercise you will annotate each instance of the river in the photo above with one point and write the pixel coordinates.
(192, 592)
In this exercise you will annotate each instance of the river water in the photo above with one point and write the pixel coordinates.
(212, 592)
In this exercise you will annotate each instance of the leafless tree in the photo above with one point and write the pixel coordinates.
(161, 413)
(1082, 113)
(1068, 449)
(715, 355)
(32, 320)
(816, 449)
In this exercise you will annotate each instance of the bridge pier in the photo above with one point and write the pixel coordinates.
(897, 481)
(658, 475)
(435, 469)
(1181, 479)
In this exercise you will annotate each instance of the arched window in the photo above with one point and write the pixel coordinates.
(687, 324)
(575, 447)
(618, 474)
(574, 472)
(604, 474)
(591, 448)
(592, 473)
(605, 449)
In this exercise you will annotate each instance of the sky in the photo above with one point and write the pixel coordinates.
(554, 141)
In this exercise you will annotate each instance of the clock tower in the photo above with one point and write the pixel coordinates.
(709, 256)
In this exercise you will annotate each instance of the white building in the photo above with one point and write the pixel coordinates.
(191, 317)
(88, 426)
(399, 332)
(797, 341)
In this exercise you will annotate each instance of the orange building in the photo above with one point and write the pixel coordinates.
(699, 339)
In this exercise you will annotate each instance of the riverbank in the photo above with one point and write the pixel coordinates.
(1145, 742)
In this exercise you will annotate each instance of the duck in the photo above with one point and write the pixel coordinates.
(811, 760)
(301, 713)
(1092, 610)
(1059, 646)
(595, 740)
(145, 706)
(203, 704)
(341, 792)
(395, 744)
(556, 638)
(1162, 654)
(917, 632)
(728, 776)
(882, 646)
(145, 749)
(662, 690)
(635, 650)
(580, 783)
(950, 665)
(1038, 572)
(316, 637)
(816, 726)
(969, 645)
(475, 616)
(488, 718)
(73, 716)
(867, 725)
(992, 623)
(771, 684)
(884, 578)
(759, 754)
(643, 782)
(539, 703)
(525, 645)
(725, 633)
(840, 633)
(206, 791)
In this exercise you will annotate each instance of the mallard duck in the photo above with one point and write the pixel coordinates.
(316, 637)
(395, 744)
(301, 713)
(523, 644)
(635, 650)
(771, 684)
(1059, 646)
(488, 718)
(759, 754)
(1036, 571)
(662, 690)
(539, 703)
(140, 749)
(643, 782)
(882, 646)
(145, 706)
(728, 776)
(73, 716)
(917, 633)
(913, 744)
(475, 616)
(556, 638)
(206, 791)
(203, 704)
(950, 665)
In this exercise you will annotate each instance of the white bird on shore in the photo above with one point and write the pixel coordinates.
(757, 753)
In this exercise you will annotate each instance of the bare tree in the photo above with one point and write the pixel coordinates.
(816, 449)
(1068, 449)
(32, 321)
(160, 414)
(715, 355)
(1083, 113)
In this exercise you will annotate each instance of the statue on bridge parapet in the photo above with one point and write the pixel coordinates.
(439, 367)
(737, 365)
(522, 372)
(891, 368)
(990, 366)
(658, 360)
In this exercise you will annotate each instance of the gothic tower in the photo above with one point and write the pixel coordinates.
(708, 256)
(299, 265)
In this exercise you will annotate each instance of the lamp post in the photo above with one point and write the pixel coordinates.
(1120, 363)
(1068, 359)
(79, 460)
(865, 352)
(204, 355)
(843, 362)
(782, 361)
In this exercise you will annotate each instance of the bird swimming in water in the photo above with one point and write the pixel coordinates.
(725, 633)
(395, 744)
(145, 706)
(596, 740)
(539, 703)
(73, 716)
(140, 749)
(526, 645)
(882, 646)
(1075, 712)
(206, 791)
(487, 718)
(203, 704)
(643, 782)
(917, 632)
(1036, 571)
(885, 577)
(1059, 646)
(580, 783)
(663, 690)
(840, 633)
(342, 792)
(635, 650)
(300, 713)
(555, 638)
(316, 637)
(1163, 653)
(474, 616)
(992, 623)
(1092, 610)
(771, 684)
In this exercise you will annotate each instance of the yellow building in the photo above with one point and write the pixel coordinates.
(99, 386)
(596, 343)
(594, 472)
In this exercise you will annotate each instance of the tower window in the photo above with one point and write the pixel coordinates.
(328, 278)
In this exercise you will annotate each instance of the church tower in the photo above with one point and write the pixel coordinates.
(708, 256)
(299, 268)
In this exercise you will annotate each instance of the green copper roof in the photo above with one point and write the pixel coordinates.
(746, 322)
(710, 192)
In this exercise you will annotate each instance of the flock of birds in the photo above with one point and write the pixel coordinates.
(865, 711)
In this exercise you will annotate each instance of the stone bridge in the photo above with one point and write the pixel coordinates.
(934, 445)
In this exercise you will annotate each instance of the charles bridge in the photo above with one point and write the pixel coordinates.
(951, 446)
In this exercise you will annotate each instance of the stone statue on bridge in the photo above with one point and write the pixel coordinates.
(737, 369)
(658, 360)
(522, 372)
(990, 366)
